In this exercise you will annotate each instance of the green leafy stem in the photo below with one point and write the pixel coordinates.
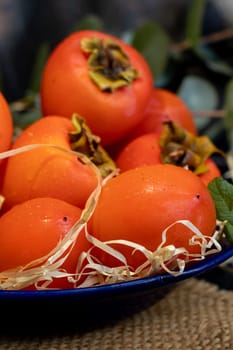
(222, 193)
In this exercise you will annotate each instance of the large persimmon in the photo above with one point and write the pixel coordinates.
(100, 77)
(139, 204)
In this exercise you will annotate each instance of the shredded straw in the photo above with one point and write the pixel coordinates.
(90, 271)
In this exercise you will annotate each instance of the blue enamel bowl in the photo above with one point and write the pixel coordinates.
(85, 308)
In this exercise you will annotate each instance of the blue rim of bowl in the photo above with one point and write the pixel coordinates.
(136, 285)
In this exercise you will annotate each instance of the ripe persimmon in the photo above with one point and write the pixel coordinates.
(176, 147)
(32, 229)
(164, 106)
(212, 173)
(47, 171)
(139, 204)
(6, 124)
(100, 77)
(142, 150)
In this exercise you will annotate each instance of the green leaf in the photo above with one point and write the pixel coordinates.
(220, 66)
(127, 36)
(41, 57)
(153, 42)
(164, 79)
(25, 111)
(198, 93)
(214, 129)
(213, 61)
(228, 107)
(222, 193)
(21, 121)
(89, 22)
(193, 28)
(201, 95)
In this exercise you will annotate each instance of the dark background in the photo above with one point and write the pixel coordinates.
(25, 24)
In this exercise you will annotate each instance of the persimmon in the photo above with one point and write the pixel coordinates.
(164, 106)
(6, 124)
(142, 150)
(139, 204)
(173, 145)
(47, 171)
(100, 77)
(212, 172)
(32, 229)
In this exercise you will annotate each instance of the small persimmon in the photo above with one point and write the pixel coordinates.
(212, 172)
(174, 145)
(6, 124)
(32, 229)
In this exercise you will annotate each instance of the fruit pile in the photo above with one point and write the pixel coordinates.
(110, 183)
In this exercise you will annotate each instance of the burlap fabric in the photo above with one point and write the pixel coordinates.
(196, 315)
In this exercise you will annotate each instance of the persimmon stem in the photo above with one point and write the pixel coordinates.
(109, 66)
(208, 39)
(218, 113)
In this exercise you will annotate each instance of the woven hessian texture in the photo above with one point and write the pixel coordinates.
(196, 315)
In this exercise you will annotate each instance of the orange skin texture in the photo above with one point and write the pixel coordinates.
(140, 203)
(33, 228)
(67, 88)
(6, 124)
(45, 171)
(164, 105)
(145, 150)
(213, 172)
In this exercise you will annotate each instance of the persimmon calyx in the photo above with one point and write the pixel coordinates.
(82, 140)
(182, 148)
(109, 66)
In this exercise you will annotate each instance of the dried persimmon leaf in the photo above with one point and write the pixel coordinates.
(182, 148)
